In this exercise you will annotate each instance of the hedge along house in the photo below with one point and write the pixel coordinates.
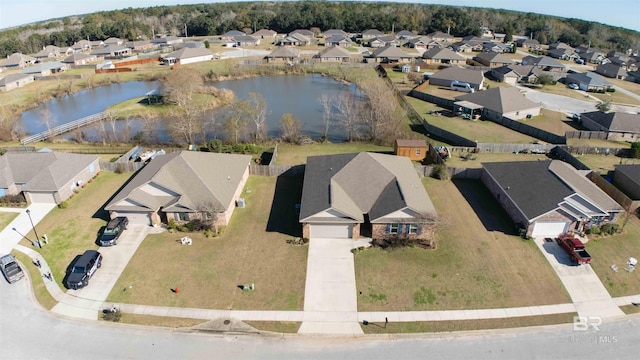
(364, 195)
(548, 198)
(183, 186)
(46, 177)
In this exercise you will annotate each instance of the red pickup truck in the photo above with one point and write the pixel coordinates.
(575, 248)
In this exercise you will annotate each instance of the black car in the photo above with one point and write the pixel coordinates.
(83, 269)
(112, 231)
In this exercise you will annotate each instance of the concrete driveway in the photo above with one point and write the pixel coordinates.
(583, 285)
(569, 105)
(330, 289)
(115, 259)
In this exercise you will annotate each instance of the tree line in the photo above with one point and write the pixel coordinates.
(284, 17)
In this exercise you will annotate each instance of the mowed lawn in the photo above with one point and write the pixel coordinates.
(252, 249)
(290, 154)
(6, 218)
(552, 121)
(73, 230)
(616, 250)
(476, 264)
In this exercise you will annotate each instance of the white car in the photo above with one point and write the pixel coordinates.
(573, 86)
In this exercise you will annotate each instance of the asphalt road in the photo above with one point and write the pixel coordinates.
(29, 332)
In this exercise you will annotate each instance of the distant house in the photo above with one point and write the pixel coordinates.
(82, 45)
(334, 32)
(501, 102)
(192, 44)
(304, 32)
(113, 41)
(17, 60)
(139, 46)
(167, 40)
(618, 126)
(506, 74)
(496, 47)
(413, 149)
(465, 46)
(613, 71)
(593, 57)
(442, 56)
(440, 36)
(544, 63)
(295, 39)
(392, 203)
(265, 34)
(338, 40)
(448, 75)
(493, 60)
(420, 43)
(528, 44)
(376, 43)
(96, 43)
(560, 45)
(627, 179)
(285, 54)
(111, 51)
(46, 177)
(588, 81)
(231, 34)
(333, 53)
(371, 33)
(405, 34)
(188, 56)
(391, 54)
(563, 54)
(45, 69)
(79, 59)
(548, 198)
(246, 40)
(206, 182)
(49, 51)
(14, 81)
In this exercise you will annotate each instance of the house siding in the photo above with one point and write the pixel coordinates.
(85, 175)
(521, 114)
(504, 200)
(627, 184)
(425, 231)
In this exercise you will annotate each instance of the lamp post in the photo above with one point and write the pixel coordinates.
(16, 230)
(34, 229)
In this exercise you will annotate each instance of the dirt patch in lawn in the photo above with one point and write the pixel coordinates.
(207, 274)
(478, 263)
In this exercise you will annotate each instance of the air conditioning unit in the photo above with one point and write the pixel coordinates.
(240, 202)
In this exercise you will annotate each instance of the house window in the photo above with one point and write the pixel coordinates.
(412, 228)
(393, 229)
(418, 151)
(182, 216)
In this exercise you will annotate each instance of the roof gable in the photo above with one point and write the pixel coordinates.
(500, 99)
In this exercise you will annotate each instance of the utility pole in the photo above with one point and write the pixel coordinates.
(185, 31)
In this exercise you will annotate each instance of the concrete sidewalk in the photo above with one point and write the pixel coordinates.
(9, 238)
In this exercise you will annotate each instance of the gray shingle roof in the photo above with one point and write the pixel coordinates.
(589, 78)
(337, 183)
(494, 58)
(334, 52)
(631, 171)
(186, 179)
(500, 99)
(460, 74)
(390, 52)
(187, 52)
(441, 54)
(285, 52)
(615, 121)
(544, 61)
(12, 78)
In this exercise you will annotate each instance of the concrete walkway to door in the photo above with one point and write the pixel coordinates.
(331, 287)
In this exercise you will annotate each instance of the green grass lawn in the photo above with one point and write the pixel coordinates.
(289, 154)
(602, 163)
(252, 249)
(6, 218)
(457, 159)
(477, 264)
(610, 250)
(551, 121)
(617, 98)
(37, 281)
(73, 230)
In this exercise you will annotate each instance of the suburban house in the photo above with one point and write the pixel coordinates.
(96, 43)
(79, 59)
(420, 43)
(338, 40)
(246, 40)
(413, 149)
(190, 44)
(560, 45)
(548, 198)
(405, 34)
(295, 39)
(183, 186)
(304, 32)
(588, 81)
(499, 102)
(593, 57)
(265, 34)
(17, 60)
(337, 203)
(45, 69)
(111, 50)
(506, 74)
(440, 36)
(14, 81)
(563, 54)
(465, 46)
(188, 56)
(114, 41)
(544, 63)
(170, 40)
(371, 33)
(446, 76)
(496, 47)
(627, 179)
(492, 59)
(442, 56)
(376, 43)
(286, 54)
(49, 51)
(140, 46)
(618, 126)
(82, 45)
(231, 34)
(612, 70)
(333, 53)
(46, 177)
(334, 32)
(528, 44)
(625, 61)
(391, 54)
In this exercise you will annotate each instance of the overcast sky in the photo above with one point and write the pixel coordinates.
(624, 13)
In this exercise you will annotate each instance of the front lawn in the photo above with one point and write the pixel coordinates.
(289, 154)
(252, 249)
(551, 121)
(616, 250)
(6, 218)
(478, 263)
(73, 230)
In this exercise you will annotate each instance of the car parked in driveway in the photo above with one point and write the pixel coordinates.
(113, 230)
(82, 269)
(573, 86)
(10, 268)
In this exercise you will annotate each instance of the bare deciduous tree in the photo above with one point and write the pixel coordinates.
(383, 114)
(211, 214)
(48, 120)
(327, 120)
(348, 114)
(186, 124)
(291, 128)
(255, 108)
(179, 86)
(235, 123)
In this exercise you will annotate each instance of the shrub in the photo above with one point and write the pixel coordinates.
(593, 230)
(609, 228)
(441, 172)
(63, 205)
(611, 89)
(171, 225)
(635, 150)
(112, 315)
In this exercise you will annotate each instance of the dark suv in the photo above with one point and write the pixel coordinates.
(113, 230)
(83, 269)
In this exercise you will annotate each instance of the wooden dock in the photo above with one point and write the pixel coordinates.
(64, 128)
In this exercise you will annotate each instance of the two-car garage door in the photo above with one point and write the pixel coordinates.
(331, 231)
(42, 197)
(550, 228)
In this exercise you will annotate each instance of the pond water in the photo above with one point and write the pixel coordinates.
(298, 95)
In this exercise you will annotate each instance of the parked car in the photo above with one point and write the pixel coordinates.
(113, 230)
(10, 268)
(83, 268)
(575, 248)
(573, 86)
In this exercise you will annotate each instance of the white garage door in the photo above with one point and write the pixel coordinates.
(330, 231)
(42, 197)
(137, 218)
(550, 228)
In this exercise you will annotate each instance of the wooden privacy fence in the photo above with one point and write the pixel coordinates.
(613, 192)
(76, 124)
(514, 148)
(561, 153)
(116, 70)
(455, 173)
(586, 135)
(276, 170)
(531, 131)
(121, 167)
